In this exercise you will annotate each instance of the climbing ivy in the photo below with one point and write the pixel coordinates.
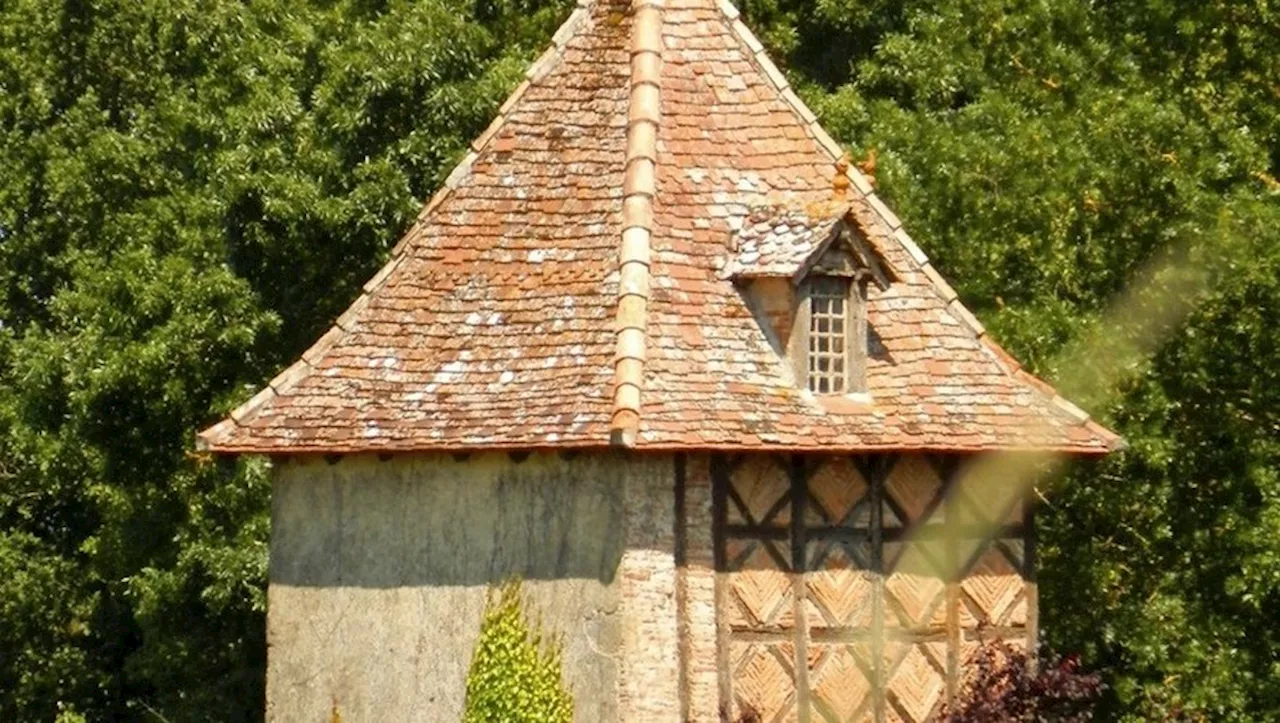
(516, 674)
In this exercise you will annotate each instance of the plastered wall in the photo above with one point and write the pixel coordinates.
(379, 571)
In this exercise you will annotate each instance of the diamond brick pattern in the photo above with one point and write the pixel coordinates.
(764, 679)
(834, 490)
(983, 496)
(881, 623)
(761, 596)
(915, 601)
(994, 591)
(493, 325)
(914, 485)
(855, 554)
(840, 690)
(761, 487)
(840, 597)
(917, 681)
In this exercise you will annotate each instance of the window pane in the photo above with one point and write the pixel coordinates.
(828, 304)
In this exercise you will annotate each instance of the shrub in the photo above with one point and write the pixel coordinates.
(1009, 686)
(516, 674)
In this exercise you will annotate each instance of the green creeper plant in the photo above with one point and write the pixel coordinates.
(516, 673)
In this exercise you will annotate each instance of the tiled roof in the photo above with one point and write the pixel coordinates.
(785, 241)
(778, 242)
(583, 212)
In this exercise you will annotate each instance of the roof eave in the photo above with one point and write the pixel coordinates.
(1100, 443)
(641, 446)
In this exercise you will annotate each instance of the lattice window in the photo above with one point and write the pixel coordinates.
(828, 335)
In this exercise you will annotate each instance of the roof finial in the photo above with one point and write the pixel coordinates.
(840, 183)
(868, 167)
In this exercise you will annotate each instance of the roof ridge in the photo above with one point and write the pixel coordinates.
(639, 187)
(305, 364)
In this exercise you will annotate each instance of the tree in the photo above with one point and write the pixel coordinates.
(189, 192)
(161, 164)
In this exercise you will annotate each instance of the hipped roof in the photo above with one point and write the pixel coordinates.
(495, 323)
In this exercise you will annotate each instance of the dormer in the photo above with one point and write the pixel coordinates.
(805, 274)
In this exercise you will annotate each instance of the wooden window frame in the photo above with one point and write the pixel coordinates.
(855, 326)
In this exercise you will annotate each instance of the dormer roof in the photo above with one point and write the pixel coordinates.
(787, 242)
(564, 287)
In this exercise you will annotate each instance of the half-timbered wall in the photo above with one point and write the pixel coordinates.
(844, 588)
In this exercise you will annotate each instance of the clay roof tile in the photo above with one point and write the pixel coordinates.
(567, 287)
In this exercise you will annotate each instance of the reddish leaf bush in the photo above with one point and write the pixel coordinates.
(1007, 685)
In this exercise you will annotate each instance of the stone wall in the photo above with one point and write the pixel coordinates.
(379, 571)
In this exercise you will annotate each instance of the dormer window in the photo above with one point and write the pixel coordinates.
(829, 346)
(805, 276)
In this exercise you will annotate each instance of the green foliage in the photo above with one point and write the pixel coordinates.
(515, 674)
(190, 191)
(1047, 155)
(46, 614)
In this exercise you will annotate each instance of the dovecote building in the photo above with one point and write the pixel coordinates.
(714, 409)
